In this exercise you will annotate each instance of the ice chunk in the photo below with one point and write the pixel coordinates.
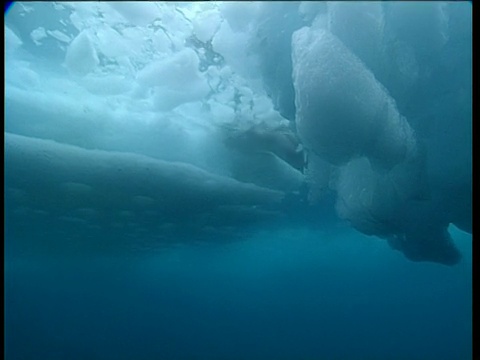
(161, 41)
(374, 202)
(127, 193)
(165, 99)
(221, 113)
(206, 24)
(12, 41)
(318, 177)
(266, 138)
(37, 35)
(176, 80)
(239, 14)
(270, 44)
(81, 57)
(114, 180)
(107, 85)
(233, 46)
(111, 43)
(366, 199)
(342, 110)
(359, 25)
(266, 156)
(310, 9)
(174, 72)
(138, 13)
(23, 76)
(427, 243)
(57, 34)
(267, 170)
(135, 40)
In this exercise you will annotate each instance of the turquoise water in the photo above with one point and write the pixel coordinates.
(280, 295)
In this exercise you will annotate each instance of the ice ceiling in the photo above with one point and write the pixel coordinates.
(163, 119)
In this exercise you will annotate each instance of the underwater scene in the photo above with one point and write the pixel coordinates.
(238, 180)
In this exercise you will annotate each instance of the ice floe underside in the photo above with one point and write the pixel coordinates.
(165, 122)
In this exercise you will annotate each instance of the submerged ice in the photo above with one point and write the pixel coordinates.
(200, 120)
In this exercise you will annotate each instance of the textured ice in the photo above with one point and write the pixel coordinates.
(81, 57)
(342, 110)
(388, 176)
(57, 34)
(359, 25)
(139, 14)
(111, 43)
(107, 85)
(206, 24)
(238, 15)
(176, 71)
(63, 179)
(245, 113)
(12, 41)
(38, 34)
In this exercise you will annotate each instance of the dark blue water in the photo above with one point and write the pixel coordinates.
(286, 295)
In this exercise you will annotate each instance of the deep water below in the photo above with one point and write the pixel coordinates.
(286, 295)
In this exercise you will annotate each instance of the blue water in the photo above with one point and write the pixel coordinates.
(285, 295)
